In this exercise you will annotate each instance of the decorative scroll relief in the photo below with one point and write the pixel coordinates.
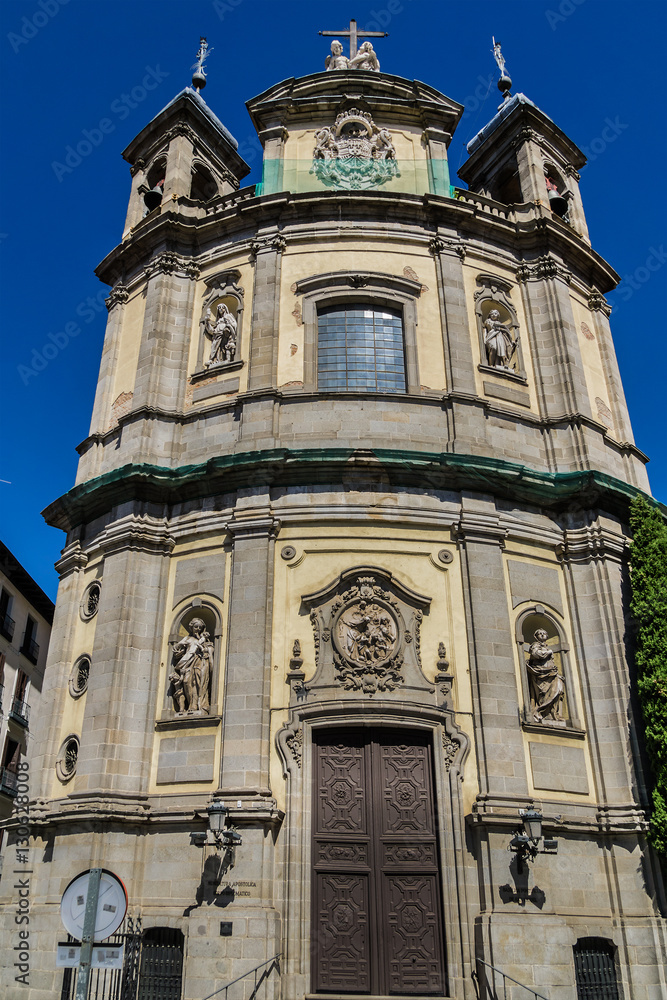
(354, 154)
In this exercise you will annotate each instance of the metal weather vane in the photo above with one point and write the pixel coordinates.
(199, 75)
(505, 82)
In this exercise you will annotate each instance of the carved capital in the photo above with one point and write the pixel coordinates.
(481, 528)
(437, 245)
(572, 172)
(598, 303)
(543, 267)
(117, 296)
(276, 243)
(172, 263)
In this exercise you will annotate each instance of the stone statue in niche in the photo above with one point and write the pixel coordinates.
(222, 330)
(336, 60)
(547, 688)
(498, 341)
(192, 669)
(366, 58)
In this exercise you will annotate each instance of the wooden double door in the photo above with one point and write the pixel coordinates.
(377, 911)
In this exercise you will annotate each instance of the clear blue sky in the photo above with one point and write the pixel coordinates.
(66, 66)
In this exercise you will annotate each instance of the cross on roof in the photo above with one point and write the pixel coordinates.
(354, 33)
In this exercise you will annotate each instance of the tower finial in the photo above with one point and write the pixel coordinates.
(504, 83)
(199, 75)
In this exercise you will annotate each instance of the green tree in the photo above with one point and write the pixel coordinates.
(648, 562)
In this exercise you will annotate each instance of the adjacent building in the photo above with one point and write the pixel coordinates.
(26, 616)
(344, 588)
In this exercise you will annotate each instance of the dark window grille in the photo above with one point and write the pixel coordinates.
(7, 626)
(20, 711)
(161, 969)
(30, 649)
(360, 347)
(8, 781)
(595, 970)
(111, 984)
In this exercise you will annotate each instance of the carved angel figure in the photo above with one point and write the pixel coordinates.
(366, 58)
(336, 60)
(546, 685)
(326, 147)
(498, 341)
(383, 147)
(222, 330)
(192, 667)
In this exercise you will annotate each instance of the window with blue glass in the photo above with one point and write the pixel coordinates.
(360, 346)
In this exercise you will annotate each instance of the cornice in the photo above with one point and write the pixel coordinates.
(72, 558)
(169, 262)
(527, 233)
(552, 491)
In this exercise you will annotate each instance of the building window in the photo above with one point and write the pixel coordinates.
(360, 346)
(78, 681)
(68, 758)
(360, 332)
(595, 969)
(20, 710)
(6, 621)
(29, 646)
(91, 600)
(10, 766)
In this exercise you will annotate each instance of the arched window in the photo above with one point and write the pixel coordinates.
(595, 969)
(203, 186)
(548, 698)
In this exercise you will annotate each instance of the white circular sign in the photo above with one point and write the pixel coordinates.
(111, 905)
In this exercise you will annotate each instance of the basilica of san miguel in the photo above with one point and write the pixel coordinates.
(338, 683)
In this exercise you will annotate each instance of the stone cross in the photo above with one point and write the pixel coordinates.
(355, 33)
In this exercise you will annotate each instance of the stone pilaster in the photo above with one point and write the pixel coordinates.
(245, 752)
(499, 741)
(459, 370)
(267, 252)
(117, 735)
(162, 368)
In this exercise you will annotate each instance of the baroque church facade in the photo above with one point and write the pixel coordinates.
(343, 593)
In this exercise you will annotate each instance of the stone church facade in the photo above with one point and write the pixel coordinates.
(346, 566)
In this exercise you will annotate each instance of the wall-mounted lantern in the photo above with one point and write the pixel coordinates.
(526, 840)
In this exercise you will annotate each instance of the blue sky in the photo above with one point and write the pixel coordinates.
(594, 66)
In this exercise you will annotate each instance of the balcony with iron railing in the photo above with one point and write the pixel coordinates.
(30, 649)
(7, 626)
(20, 712)
(8, 782)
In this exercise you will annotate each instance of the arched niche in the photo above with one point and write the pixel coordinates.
(546, 673)
(193, 668)
(557, 191)
(220, 350)
(493, 296)
(203, 185)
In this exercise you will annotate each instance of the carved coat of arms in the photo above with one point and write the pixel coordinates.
(354, 154)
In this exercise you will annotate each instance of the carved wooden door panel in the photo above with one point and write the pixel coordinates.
(377, 925)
